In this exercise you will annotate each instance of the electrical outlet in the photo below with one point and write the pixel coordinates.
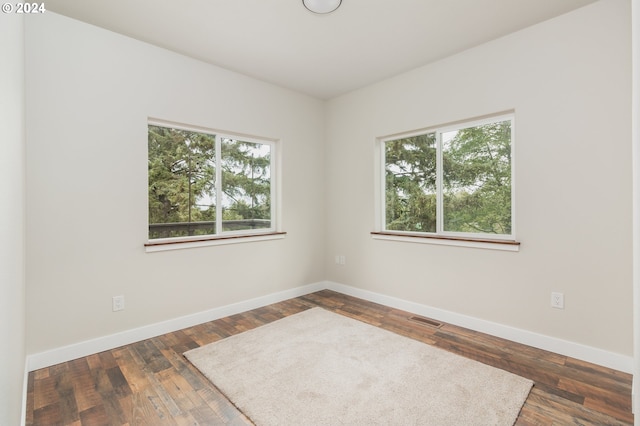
(557, 300)
(341, 259)
(118, 303)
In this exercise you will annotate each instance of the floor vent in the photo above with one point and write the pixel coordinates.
(426, 321)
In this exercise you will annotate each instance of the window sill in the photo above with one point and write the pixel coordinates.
(205, 241)
(504, 245)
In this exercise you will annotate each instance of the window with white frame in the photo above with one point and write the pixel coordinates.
(203, 183)
(450, 181)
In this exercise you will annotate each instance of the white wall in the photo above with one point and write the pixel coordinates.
(88, 97)
(568, 80)
(90, 92)
(12, 209)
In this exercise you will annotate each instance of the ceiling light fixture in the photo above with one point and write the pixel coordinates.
(321, 6)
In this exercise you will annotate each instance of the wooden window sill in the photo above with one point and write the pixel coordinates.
(485, 243)
(208, 240)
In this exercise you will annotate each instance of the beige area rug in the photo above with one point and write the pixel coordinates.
(320, 368)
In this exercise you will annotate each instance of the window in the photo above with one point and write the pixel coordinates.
(454, 181)
(207, 184)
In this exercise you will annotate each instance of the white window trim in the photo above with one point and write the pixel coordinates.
(441, 237)
(228, 237)
(425, 238)
(167, 244)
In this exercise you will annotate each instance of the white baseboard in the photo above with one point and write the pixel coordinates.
(601, 357)
(634, 396)
(575, 350)
(25, 384)
(88, 347)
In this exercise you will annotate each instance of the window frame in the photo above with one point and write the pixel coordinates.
(441, 236)
(223, 237)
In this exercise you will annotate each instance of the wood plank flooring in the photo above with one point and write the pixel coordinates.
(151, 383)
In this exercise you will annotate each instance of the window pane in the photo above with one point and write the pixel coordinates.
(410, 184)
(246, 185)
(477, 179)
(181, 183)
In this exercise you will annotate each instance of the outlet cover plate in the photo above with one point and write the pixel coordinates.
(557, 300)
(118, 303)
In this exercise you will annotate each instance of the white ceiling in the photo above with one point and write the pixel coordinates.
(281, 42)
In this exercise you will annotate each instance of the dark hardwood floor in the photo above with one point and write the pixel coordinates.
(151, 383)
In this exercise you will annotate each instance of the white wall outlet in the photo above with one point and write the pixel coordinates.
(341, 259)
(118, 303)
(557, 300)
